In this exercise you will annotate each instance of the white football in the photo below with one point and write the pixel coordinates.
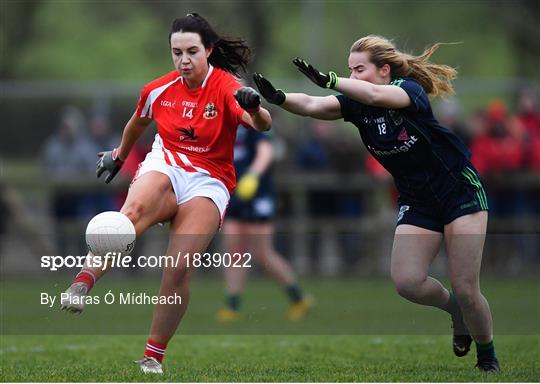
(110, 232)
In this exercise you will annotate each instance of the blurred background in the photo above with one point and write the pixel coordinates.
(71, 73)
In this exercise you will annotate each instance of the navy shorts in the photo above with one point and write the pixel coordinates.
(260, 209)
(468, 197)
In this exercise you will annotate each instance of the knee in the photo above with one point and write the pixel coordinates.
(133, 210)
(408, 286)
(467, 294)
(176, 277)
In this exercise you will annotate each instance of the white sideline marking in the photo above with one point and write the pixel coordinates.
(40, 348)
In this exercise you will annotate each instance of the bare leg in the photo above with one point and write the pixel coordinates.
(413, 252)
(192, 229)
(464, 243)
(150, 200)
(234, 236)
(261, 236)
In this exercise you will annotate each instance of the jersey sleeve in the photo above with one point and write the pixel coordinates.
(144, 104)
(348, 107)
(419, 97)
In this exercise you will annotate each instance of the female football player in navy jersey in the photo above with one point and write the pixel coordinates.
(248, 225)
(188, 176)
(441, 196)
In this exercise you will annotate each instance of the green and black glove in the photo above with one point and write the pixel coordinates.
(268, 91)
(324, 80)
(108, 161)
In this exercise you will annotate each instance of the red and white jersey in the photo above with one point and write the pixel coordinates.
(196, 127)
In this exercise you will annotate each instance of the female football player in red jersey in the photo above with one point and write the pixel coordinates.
(188, 175)
(441, 196)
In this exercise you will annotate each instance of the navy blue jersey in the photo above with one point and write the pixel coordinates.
(245, 150)
(425, 159)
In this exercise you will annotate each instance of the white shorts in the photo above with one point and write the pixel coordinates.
(186, 185)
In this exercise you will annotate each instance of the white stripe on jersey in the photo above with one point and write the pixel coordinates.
(210, 69)
(186, 161)
(170, 157)
(168, 153)
(154, 94)
(182, 157)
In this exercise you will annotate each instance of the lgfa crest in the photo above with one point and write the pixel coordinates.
(210, 111)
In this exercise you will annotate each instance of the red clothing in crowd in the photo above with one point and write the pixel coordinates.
(500, 147)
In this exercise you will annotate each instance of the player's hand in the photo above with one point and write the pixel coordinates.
(249, 99)
(247, 186)
(324, 80)
(268, 91)
(108, 161)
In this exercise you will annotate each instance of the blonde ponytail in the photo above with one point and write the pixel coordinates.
(436, 79)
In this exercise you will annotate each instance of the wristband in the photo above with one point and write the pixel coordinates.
(332, 82)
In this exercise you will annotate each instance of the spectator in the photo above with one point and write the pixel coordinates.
(101, 138)
(528, 117)
(528, 112)
(499, 148)
(68, 155)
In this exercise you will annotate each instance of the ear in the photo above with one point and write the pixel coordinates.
(385, 70)
(208, 52)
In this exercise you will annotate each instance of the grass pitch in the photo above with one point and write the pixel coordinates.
(351, 335)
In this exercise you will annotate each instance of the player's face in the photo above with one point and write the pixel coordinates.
(190, 57)
(363, 69)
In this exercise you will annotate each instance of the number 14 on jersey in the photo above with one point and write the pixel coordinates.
(188, 112)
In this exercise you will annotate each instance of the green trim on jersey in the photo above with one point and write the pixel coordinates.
(397, 81)
(470, 175)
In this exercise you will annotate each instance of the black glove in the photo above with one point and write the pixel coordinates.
(321, 79)
(271, 94)
(249, 99)
(108, 161)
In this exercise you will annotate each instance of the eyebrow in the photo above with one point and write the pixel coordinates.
(356, 66)
(187, 49)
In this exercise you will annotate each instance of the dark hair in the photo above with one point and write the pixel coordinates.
(231, 55)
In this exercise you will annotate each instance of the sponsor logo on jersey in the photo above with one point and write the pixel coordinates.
(188, 134)
(403, 135)
(402, 148)
(402, 210)
(191, 148)
(166, 103)
(210, 111)
(189, 104)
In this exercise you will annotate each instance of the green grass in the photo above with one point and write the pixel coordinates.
(262, 358)
(368, 348)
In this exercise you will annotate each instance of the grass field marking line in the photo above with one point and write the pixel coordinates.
(14, 349)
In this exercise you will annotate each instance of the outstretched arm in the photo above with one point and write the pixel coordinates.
(379, 95)
(324, 108)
